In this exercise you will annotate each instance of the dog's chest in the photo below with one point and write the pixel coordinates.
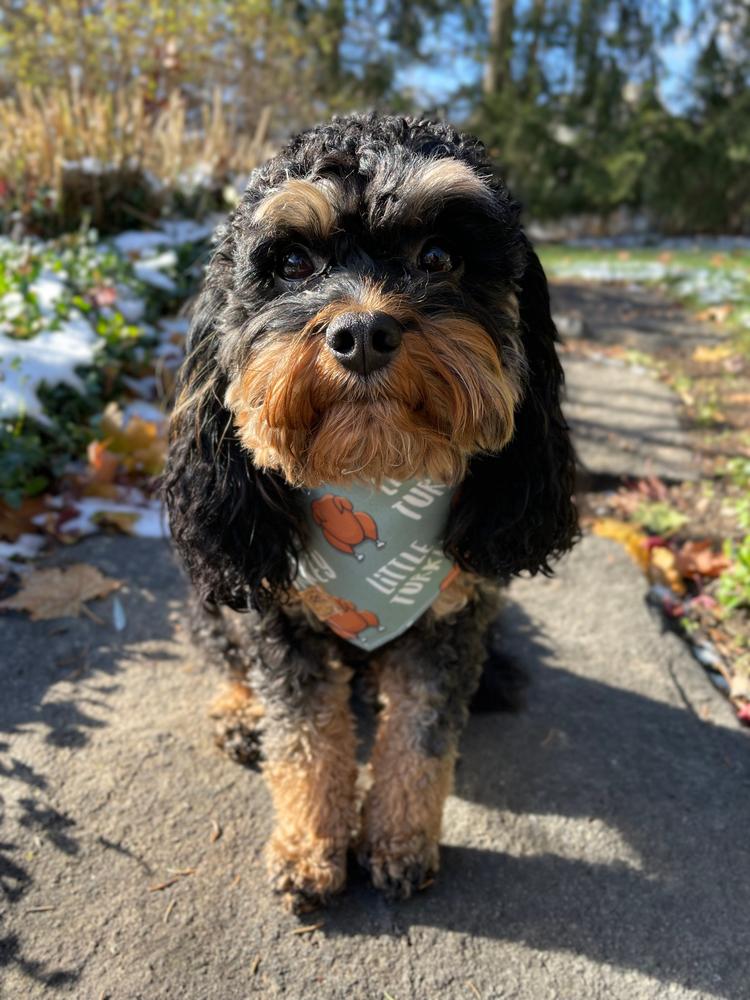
(374, 560)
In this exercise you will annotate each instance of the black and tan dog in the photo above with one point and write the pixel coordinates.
(374, 314)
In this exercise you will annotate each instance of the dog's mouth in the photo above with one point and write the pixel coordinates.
(444, 396)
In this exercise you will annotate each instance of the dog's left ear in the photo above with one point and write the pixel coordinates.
(516, 511)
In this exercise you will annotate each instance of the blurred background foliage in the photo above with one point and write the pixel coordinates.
(621, 113)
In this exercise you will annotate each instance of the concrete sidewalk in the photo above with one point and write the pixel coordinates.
(596, 846)
(625, 420)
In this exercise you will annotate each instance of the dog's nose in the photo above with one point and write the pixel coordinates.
(363, 341)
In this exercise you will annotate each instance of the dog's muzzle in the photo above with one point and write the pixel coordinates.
(362, 342)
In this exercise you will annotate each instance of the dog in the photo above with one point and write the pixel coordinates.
(371, 368)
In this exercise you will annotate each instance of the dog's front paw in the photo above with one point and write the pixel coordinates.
(401, 866)
(237, 717)
(240, 743)
(306, 876)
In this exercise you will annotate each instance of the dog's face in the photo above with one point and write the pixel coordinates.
(373, 309)
(372, 327)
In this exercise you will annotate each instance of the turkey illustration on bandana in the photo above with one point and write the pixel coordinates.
(374, 559)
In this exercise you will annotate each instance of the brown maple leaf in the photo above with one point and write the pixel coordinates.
(15, 521)
(103, 464)
(137, 445)
(60, 593)
(699, 559)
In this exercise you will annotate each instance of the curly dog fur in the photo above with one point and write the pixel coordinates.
(363, 218)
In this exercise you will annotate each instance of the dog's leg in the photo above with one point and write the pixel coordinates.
(223, 638)
(310, 763)
(426, 680)
(237, 714)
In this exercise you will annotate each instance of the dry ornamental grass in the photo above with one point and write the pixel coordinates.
(118, 157)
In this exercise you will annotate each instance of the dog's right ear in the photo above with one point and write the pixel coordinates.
(234, 526)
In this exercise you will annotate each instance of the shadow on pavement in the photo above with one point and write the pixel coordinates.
(86, 654)
(585, 758)
(612, 825)
(623, 315)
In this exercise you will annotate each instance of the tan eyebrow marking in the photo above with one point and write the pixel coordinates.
(447, 179)
(433, 183)
(299, 205)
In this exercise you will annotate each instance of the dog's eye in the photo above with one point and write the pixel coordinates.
(295, 265)
(435, 259)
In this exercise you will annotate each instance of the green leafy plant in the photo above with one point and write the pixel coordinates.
(659, 517)
(738, 470)
(90, 279)
(734, 584)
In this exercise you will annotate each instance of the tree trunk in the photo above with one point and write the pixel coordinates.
(497, 70)
(537, 20)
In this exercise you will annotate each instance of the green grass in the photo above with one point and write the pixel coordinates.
(554, 255)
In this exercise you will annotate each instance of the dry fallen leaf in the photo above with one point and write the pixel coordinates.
(104, 295)
(139, 445)
(102, 463)
(15, 521)
(125, 521)
(699, 559)
(59, 593)
(711, 355)
(715, 314)
(739, 687)
(663, 569)
(631, 537)
(625, 502)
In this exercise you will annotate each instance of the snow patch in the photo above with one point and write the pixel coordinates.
(150, 521)
(151, 271)
(49, 288)
(171, 233)
(52, 356)
(132, 307)
(24, 547)
(144, 411)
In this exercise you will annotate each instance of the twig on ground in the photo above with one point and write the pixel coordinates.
(177, 874)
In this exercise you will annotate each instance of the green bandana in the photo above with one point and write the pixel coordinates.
(374, 561)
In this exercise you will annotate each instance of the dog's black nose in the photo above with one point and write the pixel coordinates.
(363, 341)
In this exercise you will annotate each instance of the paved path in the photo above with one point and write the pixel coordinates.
(626, 421)
(596, 845)
(630, 316)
